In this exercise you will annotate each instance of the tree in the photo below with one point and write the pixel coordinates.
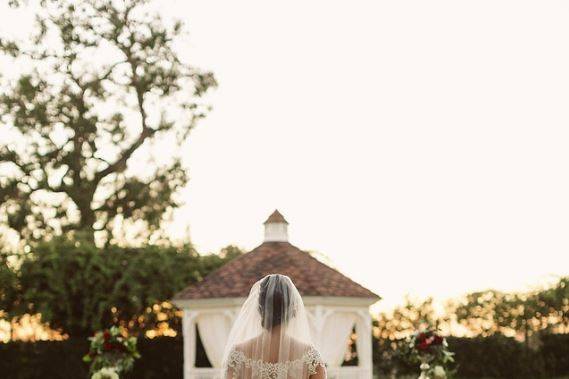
(101, 81)
(79, 288)
(489, 312)
(8, 282)
(391, 329)
(552, 307)
(405, 320)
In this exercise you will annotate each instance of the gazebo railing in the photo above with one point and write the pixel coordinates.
(350, 372)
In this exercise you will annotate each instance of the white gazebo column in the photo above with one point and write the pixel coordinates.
(189, 330)
(364, 344)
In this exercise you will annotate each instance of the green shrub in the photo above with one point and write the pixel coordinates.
(494, 357)
(79, 288)
(555, 353)
(162, 358)
(44, 359)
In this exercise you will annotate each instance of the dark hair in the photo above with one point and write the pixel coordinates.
(276, 304)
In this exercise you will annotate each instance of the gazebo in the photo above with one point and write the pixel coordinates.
(336, 305)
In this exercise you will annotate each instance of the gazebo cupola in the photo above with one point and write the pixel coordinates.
(276, 228)
(336, 305)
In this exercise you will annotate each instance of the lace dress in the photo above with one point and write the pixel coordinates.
(242, 367)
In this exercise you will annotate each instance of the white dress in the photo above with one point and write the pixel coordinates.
(242, 367)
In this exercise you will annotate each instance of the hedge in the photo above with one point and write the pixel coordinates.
(162, 358)
(497, 357)
(493, 357)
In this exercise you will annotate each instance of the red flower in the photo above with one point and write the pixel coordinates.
(107, 346)
(438, 340)
(116, 346)
(423, 346)
(106, 335)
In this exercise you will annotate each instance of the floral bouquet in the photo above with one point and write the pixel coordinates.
(430, 350)
(111, 353)
(106, 373)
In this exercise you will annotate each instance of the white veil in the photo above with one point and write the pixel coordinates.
(270, 338)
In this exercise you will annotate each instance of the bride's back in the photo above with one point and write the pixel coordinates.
(260, 359)
(272, 349)
(270, 338)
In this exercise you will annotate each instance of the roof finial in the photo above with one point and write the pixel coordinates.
(276, 228)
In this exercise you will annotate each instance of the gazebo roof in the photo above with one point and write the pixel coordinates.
(311, 277)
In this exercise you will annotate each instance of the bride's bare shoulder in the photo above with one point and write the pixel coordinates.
(248, 345)
(300, 346)
(294, 344)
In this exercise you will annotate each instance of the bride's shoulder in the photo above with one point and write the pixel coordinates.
(302, 346)
(313, 360)
(246, 346)
(310, 353)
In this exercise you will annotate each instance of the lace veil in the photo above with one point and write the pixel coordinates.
(270, 338)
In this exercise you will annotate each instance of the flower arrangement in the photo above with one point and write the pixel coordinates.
(430, 350)
(106, 373)
(111, 354)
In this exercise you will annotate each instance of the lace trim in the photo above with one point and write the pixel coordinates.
(268, 370)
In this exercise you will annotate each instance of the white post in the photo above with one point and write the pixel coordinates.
(189, 330)
(363, 344)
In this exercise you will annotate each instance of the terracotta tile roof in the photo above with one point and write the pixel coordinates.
(275, 217)
(312, 277)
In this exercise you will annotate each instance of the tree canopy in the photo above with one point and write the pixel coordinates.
(489, 312)
(96, 83)
(484, 313)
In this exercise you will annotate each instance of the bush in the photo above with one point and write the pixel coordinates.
(44, 359)
(79, 288)
(162, 358)
(494, 357)
(555, 353)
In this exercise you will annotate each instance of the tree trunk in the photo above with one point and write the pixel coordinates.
(87, 221)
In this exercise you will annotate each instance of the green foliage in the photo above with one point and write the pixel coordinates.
(97, 78)
(553, 349)
(162, 358)
(8, 281)
(405, 320)
(489, 312)
(499, 357)
(44, 359)
(494, 357)
(531, 316)
(79, 289)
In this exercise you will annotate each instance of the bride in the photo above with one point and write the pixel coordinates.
(271, 338)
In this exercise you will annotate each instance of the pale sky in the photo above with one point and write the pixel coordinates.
(421, 146)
